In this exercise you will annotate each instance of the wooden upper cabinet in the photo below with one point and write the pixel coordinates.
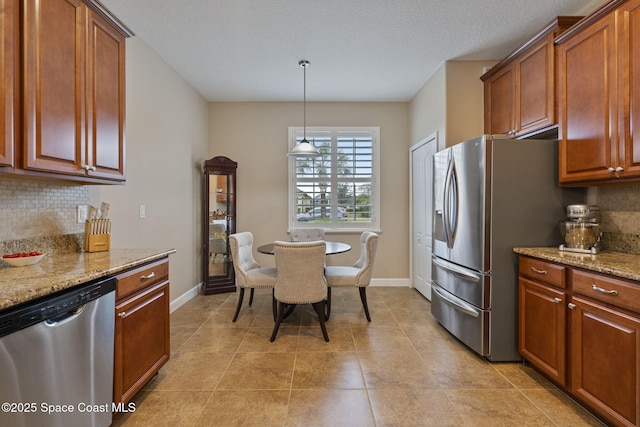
(519, 92)
(535, 88)
(9, 24)
(598, 97)
(499, 99)
(106, 70)
(73, 110)
(54, 98)
(587, 103)
(629, 63)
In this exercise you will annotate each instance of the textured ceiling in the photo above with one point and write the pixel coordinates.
(359, 50)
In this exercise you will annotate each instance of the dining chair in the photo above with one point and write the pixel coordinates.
(249, 274)
(306, 234)
(300, 279)
(358, 275)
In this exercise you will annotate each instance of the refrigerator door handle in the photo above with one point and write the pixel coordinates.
(458, 305)
(448, 186)
(456, 271)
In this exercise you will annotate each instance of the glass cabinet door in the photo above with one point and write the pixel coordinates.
(219, 222)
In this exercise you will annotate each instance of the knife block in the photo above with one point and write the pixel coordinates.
(97, 235)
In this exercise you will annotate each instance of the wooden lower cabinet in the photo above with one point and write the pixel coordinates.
(584, 336)
(141, 328)
(604, 360)
(542, 330)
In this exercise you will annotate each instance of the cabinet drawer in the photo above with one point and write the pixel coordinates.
(543, 271)
(618, 292)
(141, 277)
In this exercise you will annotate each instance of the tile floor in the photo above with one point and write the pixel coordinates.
(402, 369)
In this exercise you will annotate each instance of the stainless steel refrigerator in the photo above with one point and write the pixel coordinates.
(490, 195)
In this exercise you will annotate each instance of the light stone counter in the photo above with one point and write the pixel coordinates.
(59, 272)
(614, 263)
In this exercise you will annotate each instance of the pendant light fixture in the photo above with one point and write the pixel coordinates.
(305, 148)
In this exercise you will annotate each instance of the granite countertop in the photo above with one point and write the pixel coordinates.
(59, 272)
(617, 264)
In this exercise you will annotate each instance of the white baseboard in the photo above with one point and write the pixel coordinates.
(182, 299)
(391, 282)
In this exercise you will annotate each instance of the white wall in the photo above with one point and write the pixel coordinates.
(254, 134)
(166, 132)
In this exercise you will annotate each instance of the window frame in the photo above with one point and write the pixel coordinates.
(335, 226)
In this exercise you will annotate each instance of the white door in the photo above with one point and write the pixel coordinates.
(421, 215)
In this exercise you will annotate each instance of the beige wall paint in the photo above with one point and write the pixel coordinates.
(427, 109)
(255, 135)
(166, 144)
(450, 103)
(464, 100)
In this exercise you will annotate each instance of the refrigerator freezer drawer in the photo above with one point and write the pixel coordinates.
(467, 323)
(468, 285)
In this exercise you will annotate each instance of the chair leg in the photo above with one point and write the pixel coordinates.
(328, 304)
(277, 325)
(240, 298)
(363, 298)
(318, 306)
(251, 296)
(274, 305)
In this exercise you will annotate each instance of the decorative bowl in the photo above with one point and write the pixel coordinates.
(22, 259)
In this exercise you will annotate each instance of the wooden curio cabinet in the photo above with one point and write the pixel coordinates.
(219, 221)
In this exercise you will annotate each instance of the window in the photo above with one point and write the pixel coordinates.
(338, 190)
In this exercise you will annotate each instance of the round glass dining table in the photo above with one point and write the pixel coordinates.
(332, 248)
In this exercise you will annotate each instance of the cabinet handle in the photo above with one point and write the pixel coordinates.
(619, 169)
(571, 305)
(604, 291)
(149, 276)
(88, 167)
(535, 270)
(610, 169)
(123, 314)
(557, 300)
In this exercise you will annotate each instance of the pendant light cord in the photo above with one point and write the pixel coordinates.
(304, 64)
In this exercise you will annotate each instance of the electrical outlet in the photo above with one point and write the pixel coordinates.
(143, 212)
(82, 213)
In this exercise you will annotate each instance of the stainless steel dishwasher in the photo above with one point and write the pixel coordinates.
(56, 358)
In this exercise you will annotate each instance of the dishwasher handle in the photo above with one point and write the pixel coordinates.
(64, 317)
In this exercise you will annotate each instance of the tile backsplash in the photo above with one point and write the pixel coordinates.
(32, 208)
(620, 211)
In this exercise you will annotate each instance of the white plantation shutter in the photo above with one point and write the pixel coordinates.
(338, 190)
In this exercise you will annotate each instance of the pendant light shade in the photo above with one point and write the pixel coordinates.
(304, 148)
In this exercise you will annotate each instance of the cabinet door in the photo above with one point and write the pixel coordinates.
(605, 356)
(106, 87)
(54, 100)
(141, 340)
(535, 88)
(542, 328)
(9, 89)
(499, 98)
(588, 107)
(629, 30)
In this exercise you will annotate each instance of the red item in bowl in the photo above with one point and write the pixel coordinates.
(22, 255)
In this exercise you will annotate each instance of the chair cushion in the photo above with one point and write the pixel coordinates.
(263, 277)
(339, 275)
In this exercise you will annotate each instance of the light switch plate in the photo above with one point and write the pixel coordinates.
(143, 211)
(82, 212)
